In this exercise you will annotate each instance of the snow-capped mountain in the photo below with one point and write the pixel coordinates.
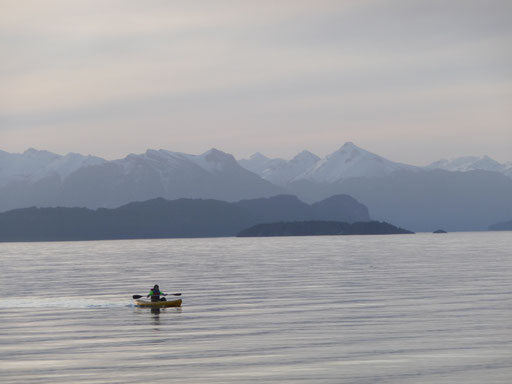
(472, 163)
(351, 161)
(347, 162)
(33, 165)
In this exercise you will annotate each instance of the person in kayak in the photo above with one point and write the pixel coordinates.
(155, 294)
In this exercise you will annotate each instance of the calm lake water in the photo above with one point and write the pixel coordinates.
(418, 308)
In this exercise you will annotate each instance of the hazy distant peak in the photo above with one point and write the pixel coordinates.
(258, 156)
(216, 155)
(30, 151)
(351, 149)
(349, 145)
(74, 155)
(159, 153)
(257, 163)
(85, 158)
(214, 161)
(454, 162)
(255, 159)
(305, 156)
(33, 153)
(349, 152)
(469, 163)
(152, 152)
(488, 161)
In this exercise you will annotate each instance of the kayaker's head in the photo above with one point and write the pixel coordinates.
(156, 286)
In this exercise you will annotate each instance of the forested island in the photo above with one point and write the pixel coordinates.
(319, 228)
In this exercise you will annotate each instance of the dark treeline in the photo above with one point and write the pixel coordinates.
(160, 218)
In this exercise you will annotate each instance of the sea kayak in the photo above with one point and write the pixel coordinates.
(158, 304)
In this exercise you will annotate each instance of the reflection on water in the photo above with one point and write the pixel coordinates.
(358, 309)
(156, 311)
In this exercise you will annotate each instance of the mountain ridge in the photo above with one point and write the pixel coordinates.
(161, 218)
(34, 165)
(419, 198)
(155, 173)
(351, 161)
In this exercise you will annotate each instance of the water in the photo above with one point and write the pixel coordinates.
(358, 309)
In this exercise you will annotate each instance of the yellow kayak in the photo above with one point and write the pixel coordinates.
(158, 304)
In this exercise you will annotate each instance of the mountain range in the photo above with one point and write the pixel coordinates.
(347, 162)
(39, 178)
(468, 193)
(350, 161)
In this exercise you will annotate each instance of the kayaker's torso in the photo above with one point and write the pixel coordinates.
(155, 294)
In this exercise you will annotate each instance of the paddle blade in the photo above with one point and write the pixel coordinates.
(136, 297)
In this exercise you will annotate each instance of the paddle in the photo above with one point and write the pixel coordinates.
(167, 294)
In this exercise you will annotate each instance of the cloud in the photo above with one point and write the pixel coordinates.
(243, 65)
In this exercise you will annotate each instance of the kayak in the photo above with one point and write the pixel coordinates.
(158, 304)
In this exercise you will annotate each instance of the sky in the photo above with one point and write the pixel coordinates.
(411, 80)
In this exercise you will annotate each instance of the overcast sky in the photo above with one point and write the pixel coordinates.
(413, 81)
